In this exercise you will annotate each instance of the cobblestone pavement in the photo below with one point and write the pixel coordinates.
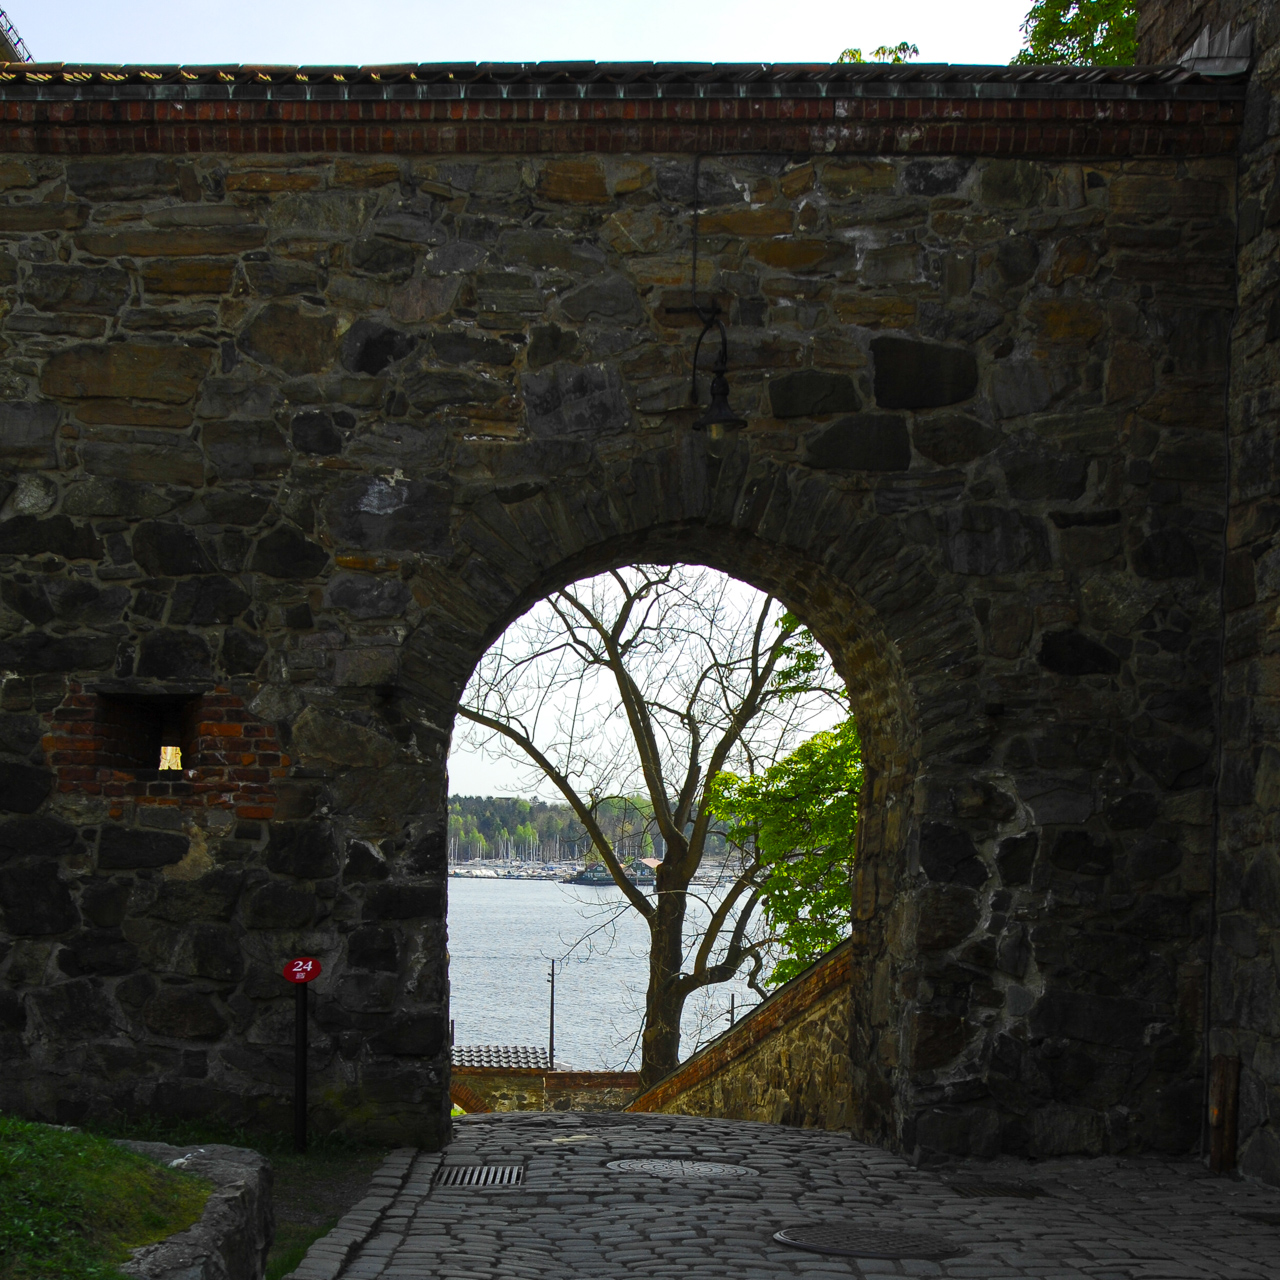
(573, 1218)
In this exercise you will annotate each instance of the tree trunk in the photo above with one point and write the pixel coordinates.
(664, 1002)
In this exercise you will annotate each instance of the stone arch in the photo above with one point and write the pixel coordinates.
(464, 1096)
(897, 637)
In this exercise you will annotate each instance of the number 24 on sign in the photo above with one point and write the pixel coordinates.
(303, 969)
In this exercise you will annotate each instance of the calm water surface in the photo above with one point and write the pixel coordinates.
(503, 935)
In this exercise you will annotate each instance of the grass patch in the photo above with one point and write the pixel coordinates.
(73, 1204)
(310, 1192)
(293, 1239)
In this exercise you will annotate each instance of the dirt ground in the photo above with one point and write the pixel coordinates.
(311, 1193)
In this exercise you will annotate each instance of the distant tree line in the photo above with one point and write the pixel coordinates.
(491, 821)
(491, 824)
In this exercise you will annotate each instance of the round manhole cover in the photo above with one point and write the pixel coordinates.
(866, 1242)
(683, 1169)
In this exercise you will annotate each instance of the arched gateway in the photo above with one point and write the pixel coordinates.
(314, 380)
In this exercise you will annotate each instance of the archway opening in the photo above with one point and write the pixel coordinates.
(654, 784)
(863, 632)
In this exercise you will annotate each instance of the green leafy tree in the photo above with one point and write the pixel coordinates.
(1089, 33)
(800, 819)
(902, 52)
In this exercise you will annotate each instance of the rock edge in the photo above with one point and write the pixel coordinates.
(231, 1240)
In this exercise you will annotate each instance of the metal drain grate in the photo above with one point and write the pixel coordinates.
(683, 1169)
(850, 1241)
(479, 1175)
(995, 1190)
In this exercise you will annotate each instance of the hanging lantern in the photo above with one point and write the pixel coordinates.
(718, 418)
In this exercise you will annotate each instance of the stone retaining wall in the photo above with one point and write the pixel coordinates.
(478, 1089)
(786, 1062)
(234, 1234)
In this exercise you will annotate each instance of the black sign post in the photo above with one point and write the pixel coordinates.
(300, 971)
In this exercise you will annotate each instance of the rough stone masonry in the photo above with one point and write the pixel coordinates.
(1245, 1011)
(314, 379)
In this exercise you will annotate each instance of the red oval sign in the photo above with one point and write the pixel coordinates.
(303, 969)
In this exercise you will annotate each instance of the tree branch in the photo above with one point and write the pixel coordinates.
(721, 914)
(584, 812)
(738, 721)
(641, 725)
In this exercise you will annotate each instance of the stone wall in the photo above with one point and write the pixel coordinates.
(1168, 28)
(477, 1089)
(1244, 1008)
(786, 1062)
(235, 1231)
(290, 434)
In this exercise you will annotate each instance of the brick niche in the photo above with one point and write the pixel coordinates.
(108, 745)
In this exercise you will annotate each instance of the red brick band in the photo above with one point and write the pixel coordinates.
(858, 126)
(468, 1099)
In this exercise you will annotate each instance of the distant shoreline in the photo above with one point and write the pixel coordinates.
(560, 876)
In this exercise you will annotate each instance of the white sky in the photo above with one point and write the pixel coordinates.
(477, 770)
(472, 773)
(322, 31)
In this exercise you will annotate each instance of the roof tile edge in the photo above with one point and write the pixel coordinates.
(591, 79)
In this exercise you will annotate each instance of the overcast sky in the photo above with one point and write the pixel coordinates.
(322, 31)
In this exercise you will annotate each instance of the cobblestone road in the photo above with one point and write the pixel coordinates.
(573, 1218)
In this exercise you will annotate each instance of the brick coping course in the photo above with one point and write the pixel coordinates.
(566, 108)
(561, 81)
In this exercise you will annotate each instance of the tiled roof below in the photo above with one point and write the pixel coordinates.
(501, 1055)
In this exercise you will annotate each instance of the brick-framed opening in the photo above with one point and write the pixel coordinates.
(106, 741)
(468, 1099)
(134, 728)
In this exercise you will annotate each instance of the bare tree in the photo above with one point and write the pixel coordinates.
(649, 681)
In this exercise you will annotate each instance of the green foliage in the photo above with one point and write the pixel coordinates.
(290, 1246)
(72, 1204)
(902, 52)
(1089, 33)
(801, 659)
(482, 821)
(801, 815)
